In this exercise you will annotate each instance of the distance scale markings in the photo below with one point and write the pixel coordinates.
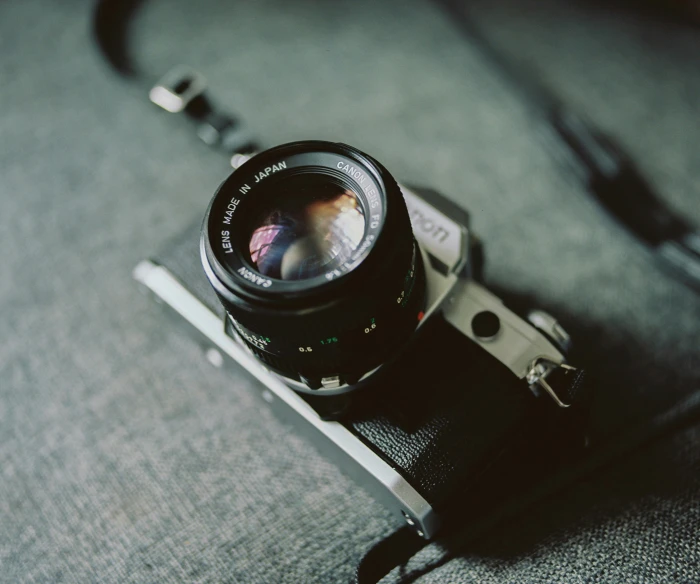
(409, 281)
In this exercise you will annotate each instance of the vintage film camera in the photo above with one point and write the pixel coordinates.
(357, 304)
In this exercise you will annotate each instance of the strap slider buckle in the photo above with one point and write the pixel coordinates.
(539, 371)
(177, 89)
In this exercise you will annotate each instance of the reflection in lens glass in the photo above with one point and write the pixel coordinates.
(306, 229)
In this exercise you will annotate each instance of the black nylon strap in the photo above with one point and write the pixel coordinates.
(218, 129)
(110, 25)
(394, 550)
(572, 384)
(609, 174)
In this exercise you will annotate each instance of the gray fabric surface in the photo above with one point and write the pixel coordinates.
(124, 457)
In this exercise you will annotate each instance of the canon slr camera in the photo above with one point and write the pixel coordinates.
(358, 304)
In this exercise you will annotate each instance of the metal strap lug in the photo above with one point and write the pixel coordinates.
(537, 375)
(177, 89)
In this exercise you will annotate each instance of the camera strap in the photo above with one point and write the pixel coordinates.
(181, 91)
(609, 175)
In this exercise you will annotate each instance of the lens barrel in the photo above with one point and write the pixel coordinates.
(310, 249)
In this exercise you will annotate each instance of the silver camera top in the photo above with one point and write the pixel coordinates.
(477, 313)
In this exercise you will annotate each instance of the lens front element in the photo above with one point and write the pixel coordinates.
(307, 226)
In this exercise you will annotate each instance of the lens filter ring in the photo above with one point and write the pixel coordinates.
(311, 179)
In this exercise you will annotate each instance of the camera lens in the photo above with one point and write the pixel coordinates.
(309, 248)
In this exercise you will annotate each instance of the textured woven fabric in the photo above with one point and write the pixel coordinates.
(637, 523)
(125, 457)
